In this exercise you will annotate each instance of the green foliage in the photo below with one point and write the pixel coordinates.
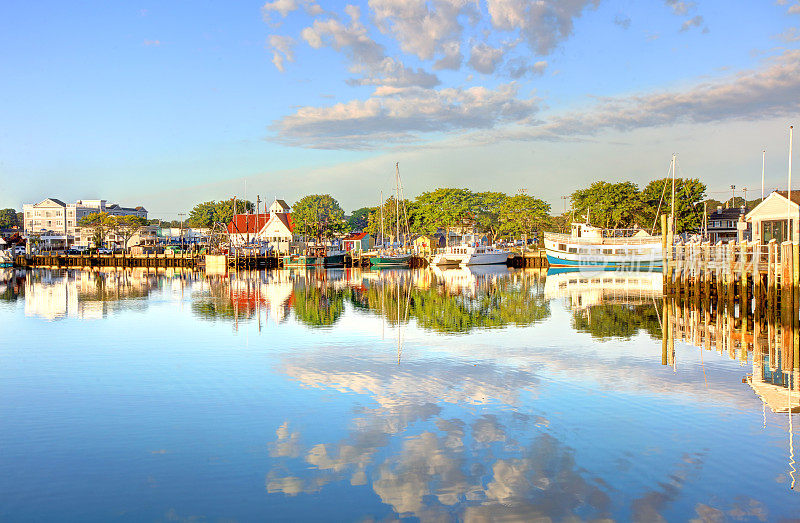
(522, 214)
(609, 205)
(126, 226)
(318, 216)
(606, 322)
(359, 220)
(8, 218)
(100, 223)
(206, 214)
(689, 196)
(390, 206)
(317, 307)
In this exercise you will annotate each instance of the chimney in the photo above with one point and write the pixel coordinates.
(719, 209)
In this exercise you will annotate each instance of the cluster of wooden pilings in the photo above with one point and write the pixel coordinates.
(66, 261)
(759, 277)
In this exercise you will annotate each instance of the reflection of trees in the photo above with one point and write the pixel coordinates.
(12, 285)
(218, 302)
(617, 321)
(318, 306)
(497, 303)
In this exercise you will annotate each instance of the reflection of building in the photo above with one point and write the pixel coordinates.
(82, 294)
(770, 341)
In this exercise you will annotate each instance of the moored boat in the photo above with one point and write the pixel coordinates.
(589, 246)
(470, 254)
(390, 259)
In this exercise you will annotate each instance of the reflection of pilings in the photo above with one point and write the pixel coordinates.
(771, 341)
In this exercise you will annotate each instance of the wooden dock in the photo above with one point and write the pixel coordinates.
(527, 259)
(762, 278)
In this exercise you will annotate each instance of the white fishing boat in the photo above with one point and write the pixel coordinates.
(589, 246)
(470, 254)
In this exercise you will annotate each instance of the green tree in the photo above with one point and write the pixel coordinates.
(99, 224)
(318, 216)
(206, 214)
(448, 208)
(689, 196)
(392, 209)
(359, 220)
(8, 218)
(127, 226)
(609, 205)
(521, 215)
(486, 207)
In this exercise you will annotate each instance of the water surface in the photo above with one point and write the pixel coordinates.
(348, 395)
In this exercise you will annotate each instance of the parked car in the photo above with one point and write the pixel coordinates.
(103, 250)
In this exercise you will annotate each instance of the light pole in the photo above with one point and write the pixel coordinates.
(181, 214)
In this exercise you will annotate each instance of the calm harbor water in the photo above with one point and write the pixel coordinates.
(348, 395)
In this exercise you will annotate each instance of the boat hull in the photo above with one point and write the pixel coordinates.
(496, 258)
(334, 260)
(390, 261)
(302, 261)
(557, 259)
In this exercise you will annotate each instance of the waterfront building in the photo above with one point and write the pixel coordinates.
(727, 224)
(275, 227)
(357, 241)
(56, 223)
(776, 218)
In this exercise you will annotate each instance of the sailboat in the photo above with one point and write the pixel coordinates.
(392, 257)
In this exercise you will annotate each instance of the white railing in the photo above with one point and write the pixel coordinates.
(633, 240)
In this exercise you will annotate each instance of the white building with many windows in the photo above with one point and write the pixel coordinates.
(55, 223)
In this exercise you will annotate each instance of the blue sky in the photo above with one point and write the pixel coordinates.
(170, 103)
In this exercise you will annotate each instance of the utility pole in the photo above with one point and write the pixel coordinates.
(744, 190)
(733, 195)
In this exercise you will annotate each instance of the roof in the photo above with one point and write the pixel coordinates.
(286, 219)
(795, 196)
(54, 200)
(282, 203)
(354, 236)
(247, 223)
(729, 214)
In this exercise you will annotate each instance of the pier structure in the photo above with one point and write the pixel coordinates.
(763, 278)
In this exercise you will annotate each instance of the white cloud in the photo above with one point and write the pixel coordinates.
(422, 28)
(789, 36)
(392, 73)
(282, 49)
(397, 115)
(692, 22)
(544, 23)
(484, 58)
(679, 7)
(452, 57)
(284, 7)
(752, 95)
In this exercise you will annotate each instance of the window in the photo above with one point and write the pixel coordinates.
(562, 247)
(573, 250)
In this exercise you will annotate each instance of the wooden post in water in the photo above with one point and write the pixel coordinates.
(729, 276)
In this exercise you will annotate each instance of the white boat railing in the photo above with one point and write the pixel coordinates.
(633, 240)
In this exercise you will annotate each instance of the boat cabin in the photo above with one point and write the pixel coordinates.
(584, 230)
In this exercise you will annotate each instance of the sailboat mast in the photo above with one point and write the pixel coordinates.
(789, 233)
(763, 158)
(397, 201)
(381, 217)
(672, 213)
